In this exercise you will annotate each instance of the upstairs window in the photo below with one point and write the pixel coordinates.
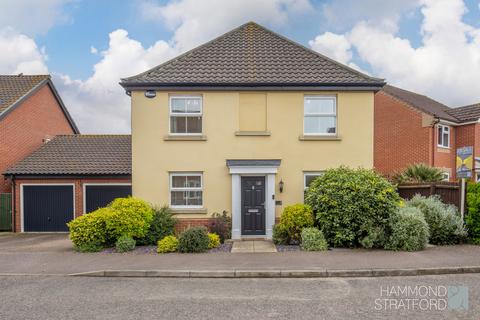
(186, 190)
(186, 115)
(443, 136)
(320, 115)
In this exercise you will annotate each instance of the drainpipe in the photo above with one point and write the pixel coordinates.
(434, 123)
(14, 209)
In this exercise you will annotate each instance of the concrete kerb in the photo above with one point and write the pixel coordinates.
(311, 273)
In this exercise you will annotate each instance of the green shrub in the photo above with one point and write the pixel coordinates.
(352, 206)
(214, 240)
(88, 232)
(472, 217)
(444, 223)
(409, 230)
(419, 173)
(194, 240)
(162, 225)
(168, 244)
(222, 225)
(279, 235)
(124, 244)
(294, 218)
(313, 240)
(128, 216)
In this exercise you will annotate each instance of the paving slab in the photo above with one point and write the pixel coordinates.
(253, 246)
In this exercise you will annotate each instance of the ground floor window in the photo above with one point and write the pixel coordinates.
(445, 176)
(308, 178)
(186, 190)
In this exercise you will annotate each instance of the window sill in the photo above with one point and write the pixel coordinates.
(252, 133)
(188, 210)
(319, 138)
(185, 138)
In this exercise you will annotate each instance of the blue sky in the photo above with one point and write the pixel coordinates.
(429, 46)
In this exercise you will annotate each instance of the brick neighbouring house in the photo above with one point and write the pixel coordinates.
(67, 177)
(407, 130)
(31, 111)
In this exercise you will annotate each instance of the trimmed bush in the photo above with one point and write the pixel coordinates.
(194, 240)
(162, 225)
(294, 218)
(444, 223)
(409, 230)
(352, 206)
(168, 244)
(125, 243)
(88, 232)
(313, 240)
(128, 216)
(221, 225)
(214, 240)
(279, 235)
(472, 217)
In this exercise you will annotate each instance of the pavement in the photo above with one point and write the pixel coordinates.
(253, 246)
(60, 297)
(36, 254)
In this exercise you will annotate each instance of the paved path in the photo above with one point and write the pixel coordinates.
(43, 297)
(53, 254)
(253, 246)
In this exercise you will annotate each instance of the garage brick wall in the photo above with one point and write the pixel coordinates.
(78, 193)
(23, 129)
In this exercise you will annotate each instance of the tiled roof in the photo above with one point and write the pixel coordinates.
(14, 87)
(251, 55)
(79, 155)
(421, 102)
(466, 113)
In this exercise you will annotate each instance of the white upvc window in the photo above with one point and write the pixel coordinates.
(477, 177)
(320, 115)
(186, 190)
(445, 176)
(308, 178)
(443, 136)
(186, 115)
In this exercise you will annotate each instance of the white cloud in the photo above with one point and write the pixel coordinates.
(445, 66)
(99, 104)
(93, 50)
(194, 24)
(32, 16)
(20, 54)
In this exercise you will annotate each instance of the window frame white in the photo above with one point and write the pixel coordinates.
(185, 114)
(446, 176)
(448, 132)
(310, 173)
(335, 114)
(172, 189)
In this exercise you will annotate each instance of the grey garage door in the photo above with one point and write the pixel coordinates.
(98, 196)
(47, 208)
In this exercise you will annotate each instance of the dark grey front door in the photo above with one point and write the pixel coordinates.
(253, 205)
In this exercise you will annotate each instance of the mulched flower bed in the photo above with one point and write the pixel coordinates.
(226, 247)
(289, 248)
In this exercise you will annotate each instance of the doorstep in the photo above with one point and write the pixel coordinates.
(253, 246)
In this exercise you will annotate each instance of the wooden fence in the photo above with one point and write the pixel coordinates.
(449, 192)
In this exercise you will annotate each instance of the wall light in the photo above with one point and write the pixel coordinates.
(280, 185)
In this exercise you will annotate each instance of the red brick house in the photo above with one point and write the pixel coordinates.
(413, 128)
(31, 112)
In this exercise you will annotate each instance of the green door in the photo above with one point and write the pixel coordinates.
(5, 212)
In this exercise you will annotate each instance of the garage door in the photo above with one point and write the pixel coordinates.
(47, 208)
(98, 196)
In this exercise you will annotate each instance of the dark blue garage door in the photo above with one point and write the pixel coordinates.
(98, 196)
(47, 208)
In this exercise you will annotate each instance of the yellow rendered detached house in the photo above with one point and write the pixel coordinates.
(243, 123)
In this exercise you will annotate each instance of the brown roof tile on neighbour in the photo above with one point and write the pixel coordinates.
(251, 55)
(79, 155)
(421, 102)
(14, 87)
(466, 113)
